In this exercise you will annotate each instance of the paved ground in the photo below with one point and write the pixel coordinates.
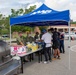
(56, 67)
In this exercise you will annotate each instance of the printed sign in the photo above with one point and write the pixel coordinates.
(18, 50)
(42, 12)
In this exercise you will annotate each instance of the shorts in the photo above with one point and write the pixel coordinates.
(56, 45)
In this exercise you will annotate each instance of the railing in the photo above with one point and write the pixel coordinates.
(10, 67)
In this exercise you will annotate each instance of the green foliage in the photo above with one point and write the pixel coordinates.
(4, 24)
(21, 28)
(30, 9)
(42, 27)
(73, 22)
(20, 12)
(16, 12)
(4, 31)
(4, 21)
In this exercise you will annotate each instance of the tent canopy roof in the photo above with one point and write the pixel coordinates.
(41, 17)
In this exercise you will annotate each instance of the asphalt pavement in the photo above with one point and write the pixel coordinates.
(56, 67)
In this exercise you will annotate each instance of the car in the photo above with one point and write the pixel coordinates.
(72, 35)
(5, 36)
(4, 49)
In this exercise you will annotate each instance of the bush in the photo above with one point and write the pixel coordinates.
(4, 31)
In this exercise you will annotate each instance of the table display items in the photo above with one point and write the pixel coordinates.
(21, 50)
(32, 46)
(40, 44)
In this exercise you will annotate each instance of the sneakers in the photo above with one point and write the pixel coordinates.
(53, 58)
(45, 62)
(58, 57)
(50, 60)
(64, 52)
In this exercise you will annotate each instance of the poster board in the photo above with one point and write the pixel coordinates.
(18, 50)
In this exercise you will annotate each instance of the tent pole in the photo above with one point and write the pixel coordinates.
(69, 45)
(10, 35)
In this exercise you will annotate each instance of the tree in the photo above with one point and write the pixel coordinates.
(1, 16)
(4, 21)
(1, 23)
(30, 9)
(18, 13)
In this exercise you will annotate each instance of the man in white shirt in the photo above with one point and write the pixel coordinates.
(47, 40)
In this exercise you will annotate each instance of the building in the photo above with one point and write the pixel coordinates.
(66, 28)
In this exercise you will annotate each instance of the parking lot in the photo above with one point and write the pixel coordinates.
(56, 67)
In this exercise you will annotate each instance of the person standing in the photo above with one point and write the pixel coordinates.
(28, 38)
(56, 43)
(20, 39)
(62, 43)
(46, 37)
(37, 37)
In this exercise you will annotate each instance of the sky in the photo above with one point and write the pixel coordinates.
(59, 5)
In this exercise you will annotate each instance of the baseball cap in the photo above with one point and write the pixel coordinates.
(44, 30)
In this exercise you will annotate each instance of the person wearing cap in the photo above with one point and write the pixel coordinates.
(46, 37)
(20, 39)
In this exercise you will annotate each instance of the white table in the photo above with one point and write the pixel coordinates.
(23, 55)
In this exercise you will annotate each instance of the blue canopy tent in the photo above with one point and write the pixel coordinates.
(43, 16)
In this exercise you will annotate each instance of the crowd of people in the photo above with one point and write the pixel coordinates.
(52, 38)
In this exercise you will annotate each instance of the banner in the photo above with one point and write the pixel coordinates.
(18, 50)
